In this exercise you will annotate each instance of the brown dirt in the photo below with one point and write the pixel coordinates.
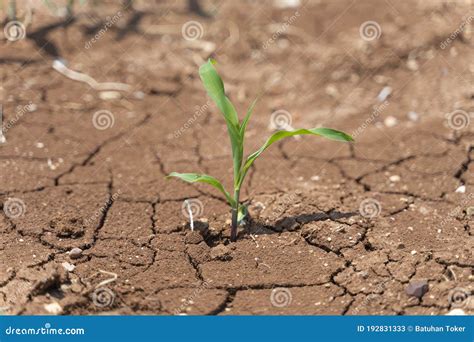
(308, 249)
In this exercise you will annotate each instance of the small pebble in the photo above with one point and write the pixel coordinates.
(390, 121)
(417, 288)
(413, 116)
(139, 95)
(395, 178)
(68, 267)
(53, 308)
(109, 95)
(461, 189)
(75, 253)
(384, 94)
(456, 312)
(412, 64)
(470, 211)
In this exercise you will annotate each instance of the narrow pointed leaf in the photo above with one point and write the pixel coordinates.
(215, 88)
(245, 121)
(201, 178)
(322, 132)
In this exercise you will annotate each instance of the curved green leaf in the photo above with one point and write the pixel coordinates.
(322, 132)
(201, 178)
(215, 88)
(245, 121)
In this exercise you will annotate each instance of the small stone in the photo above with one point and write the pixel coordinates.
(461, 189)
(413, 252)
(53, 308)
(31, 107)
(400, 246)
(75, 253)
(413, 116)
(194, 237)
(456, 312)
(109, 95)
(395, 178)
(417, 288)
(390, 121)
(470, 211)
(220, 252)
(139, 95)
(384, 94)
(68, 267)
(39, 145)
(412, 64)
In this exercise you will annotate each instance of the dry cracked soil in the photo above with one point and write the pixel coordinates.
(90, 225)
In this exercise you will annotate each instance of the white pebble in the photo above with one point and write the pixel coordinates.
(461, 189)
(384, 94)
(53, 308)
(110, 95)
(395, 178)
(68, 267)
(413, 116)
(456, 312)
(390, 121)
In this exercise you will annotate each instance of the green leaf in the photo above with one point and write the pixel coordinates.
(242, 213)
(243, 126)
(195, 177)
(215, 88)
(322, 132)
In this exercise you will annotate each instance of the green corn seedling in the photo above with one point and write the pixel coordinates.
(236, 129)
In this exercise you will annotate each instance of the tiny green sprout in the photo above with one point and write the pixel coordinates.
(236, 129)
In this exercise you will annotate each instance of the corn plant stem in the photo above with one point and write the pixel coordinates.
(235, 213)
